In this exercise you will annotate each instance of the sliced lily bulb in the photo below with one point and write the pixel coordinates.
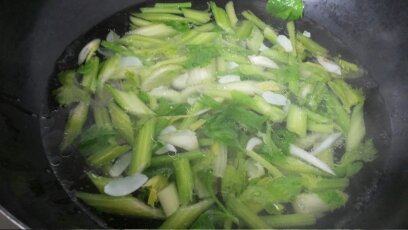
(254, 169)
(247, 87)
(167, 93)
(125, 185)
(285, 43)
(180, 82)
(185, 139)
(275, 98)
(329, 65)
(228, 79)
(112, 36)
(232, 65)
(252, 143)
(199, 76)
(167, 148)
(88, 50)
(307, 34)
(309, 158)
(263, 61)
(120, 165)
(167, 130)
(130, 62)
(326, 144)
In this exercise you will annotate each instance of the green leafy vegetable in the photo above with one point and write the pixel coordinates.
(289, 10)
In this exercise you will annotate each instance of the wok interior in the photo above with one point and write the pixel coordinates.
(69, 167)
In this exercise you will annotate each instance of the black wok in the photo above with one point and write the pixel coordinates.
(36, 180)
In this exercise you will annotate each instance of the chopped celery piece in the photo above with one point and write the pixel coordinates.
(155, 30)
(357, 128)
(142, 149)
(161, 17)
(337, 112)
(169, 159)
(173, 5)
(290, 220)
(345, 93)
(101, 116)
(185, 216)
(155, 185)
(315, 183)
(254, 19)
(319, 127)
(76, 121)
(90, 74)
(311, 46)
(250, 218)
(297, 120)
(272, 112)
(107, 155)
(121, 121)
(185, 180)
(271, 169)
(108, 69)
(168, 10)
(70, 91)
(229, 8)
(130, 102)
(99, 181)
(255, 40)
(244, 30)
(196, 15)
(270, 34)
(290, 26)
(221, 18)
(139, 22)
(127, 205)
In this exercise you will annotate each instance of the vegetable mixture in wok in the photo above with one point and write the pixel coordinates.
(203, 120)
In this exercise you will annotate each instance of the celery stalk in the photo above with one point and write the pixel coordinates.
(121, 121)
(229, 8)
(168, 159)
(185, 216)
(169, 200)
(76, 120)
(292, 35)
(311, 46)
(107, 155)
(99, 181)
(196, 15)
(254, 19)
(297, 120)
(243, 212)
(127, 205)
(161, 17)
(221, 18)
(357, 128)
(271, 169)
(142, 149)
(130, 102)
(101, 116)
(319, 127)
(90, 74)
(337, 112)
(270, 34)
(184, 179)
(290, 220)
(139, 22)
(244, 30)
(273, 113)
(168, 10)
(173, 5)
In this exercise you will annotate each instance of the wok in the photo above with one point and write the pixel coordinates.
(40, 38)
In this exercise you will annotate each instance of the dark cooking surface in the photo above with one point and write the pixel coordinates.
(36, 33)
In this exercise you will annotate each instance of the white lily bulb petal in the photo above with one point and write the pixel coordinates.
(309, 158)
(285, 43)
(112, 36)
(228, 79)
(275, 98)
(168, 129)
(180, 82)
(327, 143)
(120, 165)
(254, 169)
(198, 76)
(232, 65)
(130, 62)
(185, 139)
(252, 143)
(247, 87)
(307, 34)
(329, 65)
(88, 50)
(166, 149)
(263, 61)
(125, 185)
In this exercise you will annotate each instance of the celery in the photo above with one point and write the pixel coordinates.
(221, 18)
(173, 5)
(297, 120)
(337, 112)
(273, 113)
(255, 40)
(229, 8)
(311, 46)
(315, 183)
(196, 15)
(292, 35)
(290, 220)
(155, 30)
(254, 19)
(205, 28)
(76, 120)
(203, 38)
(244, 30)
(107, 155)
(90, 74)
(185, 180)
(185, 216)
(99, 181)
(139, 22)
(168, 10)
(169, 159)
(169, 200)
(241, 211)
(162, 76)
(126, 205)
(270, 34)
(130, 102)
(345, 93)
(276, 55)
(101, 116)
(161, 17)
(155, 185)
(142, 148)
(121, 121)
(349, 70)
(108, 70)
(357, 128)
(319, 127)
(271, 169)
